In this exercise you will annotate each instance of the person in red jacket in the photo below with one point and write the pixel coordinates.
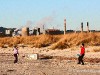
(82, 53)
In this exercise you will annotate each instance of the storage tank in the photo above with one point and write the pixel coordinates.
(25, 31)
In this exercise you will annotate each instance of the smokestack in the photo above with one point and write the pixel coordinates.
(64, 26)
(87, 26)
(82, 27)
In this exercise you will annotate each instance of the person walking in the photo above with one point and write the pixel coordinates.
(16, 53)
(81, 55)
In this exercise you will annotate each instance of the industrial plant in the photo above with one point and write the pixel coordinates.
(25, 31)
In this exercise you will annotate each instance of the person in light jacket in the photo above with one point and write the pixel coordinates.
(16, 53)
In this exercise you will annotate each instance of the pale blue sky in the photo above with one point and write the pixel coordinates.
(51, 13)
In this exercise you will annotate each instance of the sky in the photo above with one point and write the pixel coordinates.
(50, 13)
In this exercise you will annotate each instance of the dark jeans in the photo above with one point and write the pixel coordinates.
(80, 59)
(16, 58)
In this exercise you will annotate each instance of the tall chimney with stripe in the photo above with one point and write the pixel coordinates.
(64, 26)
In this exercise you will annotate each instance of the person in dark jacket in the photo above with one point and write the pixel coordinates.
(81, 56)
(16, 53)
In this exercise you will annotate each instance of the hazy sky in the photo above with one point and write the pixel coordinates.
(50, 13)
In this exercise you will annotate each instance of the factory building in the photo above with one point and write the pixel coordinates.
(6, 31)
(53, 31)
(36, 31)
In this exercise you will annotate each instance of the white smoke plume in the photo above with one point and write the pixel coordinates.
(28, 24)
(44, 22)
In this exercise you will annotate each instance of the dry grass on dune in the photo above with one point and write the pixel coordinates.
(73, 39)
(36, 41)
(55, 41)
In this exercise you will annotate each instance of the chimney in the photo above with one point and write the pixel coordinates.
(64, 26)
(87, 26)
(82, 27)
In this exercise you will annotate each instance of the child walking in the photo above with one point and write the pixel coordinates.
(16, 53)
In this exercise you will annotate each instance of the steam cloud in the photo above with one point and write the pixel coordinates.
(45, 22)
